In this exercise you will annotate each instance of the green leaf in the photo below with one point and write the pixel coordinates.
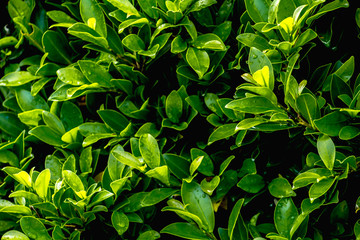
(70, 115)
(134, 43)
(95, 73)
(72, 76)
(280, 188)
(308, 107)
(161, 173)
(125, 6)
(115, 120)
(149, 235)
(327, 151)
(120, 222)
(254, 105)
(92, 15)
(17, 210)
(332, 123)
(23, 178)
(88, 34)
(157, 195)
(320, 188)
(178, 45)
(129, 159)
(85, 160)
(254, 40)
(209, 41)
(198, 60)
(185, 230)
(178, 166)
(305, 178)
(210, 186)
(10, 124)
(198, 203)
(284, 216)
(206, 167)
(53, 122)
(41, 184)
(257, 61)
(34, 228)
(149, 150)
(148, 7)
(28, 102)
(327, 8)
(75, 183)
(258, 9)
(251, 183)
(174, 107)
(14, 235)
(47, 135)
(60, 17)
(349, 132)
(222, 132)
(236, 225)
(27, 195)
(14, 79)
(9, 158)
(56, 47)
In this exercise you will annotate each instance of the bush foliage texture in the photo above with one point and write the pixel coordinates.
(179, 119)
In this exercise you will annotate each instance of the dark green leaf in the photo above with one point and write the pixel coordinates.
(134, 43)
(95, 73)
(254, 40)
(185, 230)
(198, 60)
(236, 226)
(56, 47)
(284, 216)
(308, 107)
(332, 123)
(258, 9)
(198, 203)
(254, 105)
(251, 183)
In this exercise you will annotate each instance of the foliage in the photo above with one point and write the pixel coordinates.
(234, 119)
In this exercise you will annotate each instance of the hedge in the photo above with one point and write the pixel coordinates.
(179, 119)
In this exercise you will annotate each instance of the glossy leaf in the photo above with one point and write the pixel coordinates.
(13, 79)
(327, 151)
(258, 10)
(280, 188)
(41, 184)
(57, 49)
(92, 14)
(95, 73)
(14, 235)
(254, 105)
(257, 61)
(34, 228)
(198, 60)
(120, 222)
(236, 225)
(308, 107)
(332, 123)
(184, 230)
(251, 183)
(209, 41)
(320, 188)
(149, 150)
(284, 216)
(199, 203)
(74, 182)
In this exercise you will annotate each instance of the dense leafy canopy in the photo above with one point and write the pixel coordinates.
(236, 119)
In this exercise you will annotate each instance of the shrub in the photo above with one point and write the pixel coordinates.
(186, 119)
